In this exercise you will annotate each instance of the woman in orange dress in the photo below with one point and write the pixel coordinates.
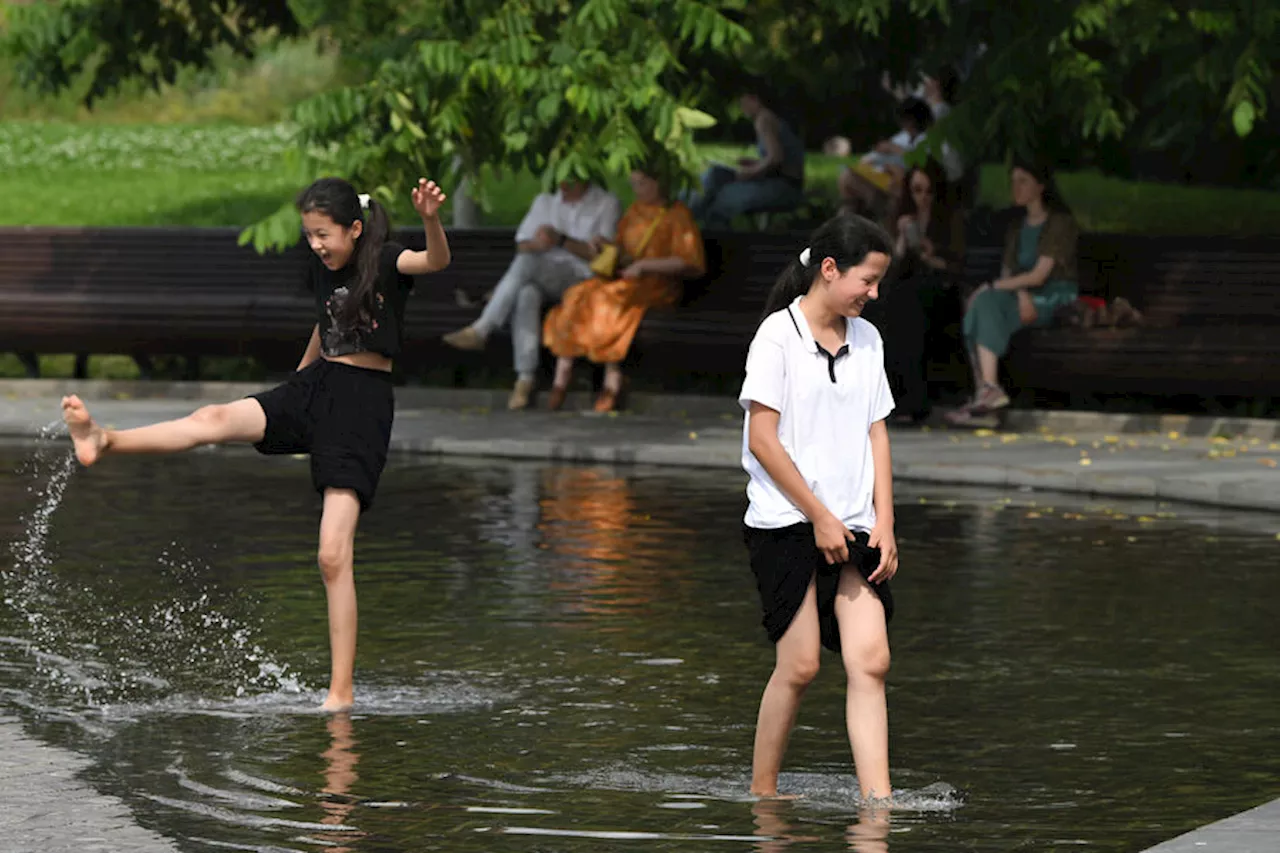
(598, 318)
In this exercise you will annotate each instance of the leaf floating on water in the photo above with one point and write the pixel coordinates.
(1086, 461)
(693, 435)
(983, 433)
(1131, 539)
(1111, 439)
(1009, 438)
(1174, 436)
(924, 500)
(1145, 519)
(1033, 515)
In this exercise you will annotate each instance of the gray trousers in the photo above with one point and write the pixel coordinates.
(531, 279)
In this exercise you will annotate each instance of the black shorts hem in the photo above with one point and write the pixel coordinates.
(786, 559)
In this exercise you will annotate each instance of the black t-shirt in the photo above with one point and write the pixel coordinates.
(385, 332)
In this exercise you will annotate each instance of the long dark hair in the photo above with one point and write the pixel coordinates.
(847, 239)
(941, 194)
(1042, 171)
(338, 200)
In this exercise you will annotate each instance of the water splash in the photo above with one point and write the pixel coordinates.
(94, 645)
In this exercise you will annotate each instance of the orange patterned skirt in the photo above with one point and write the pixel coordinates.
(598, 319)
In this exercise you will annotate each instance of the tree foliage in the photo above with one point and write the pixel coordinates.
(449, 88)
(112, 41)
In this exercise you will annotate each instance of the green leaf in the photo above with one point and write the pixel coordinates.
(694, 119)
(1242, 117)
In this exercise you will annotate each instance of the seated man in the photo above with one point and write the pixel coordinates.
(775, 181)
(554, 243)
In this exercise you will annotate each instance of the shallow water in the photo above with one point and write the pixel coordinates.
(561, 658)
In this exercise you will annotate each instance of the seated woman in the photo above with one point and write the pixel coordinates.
(930, 248)
(877, 175)
(1038, 277)
(658, 246)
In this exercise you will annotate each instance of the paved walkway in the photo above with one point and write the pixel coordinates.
(45, 808)
(1254, 831)
(1068, 453)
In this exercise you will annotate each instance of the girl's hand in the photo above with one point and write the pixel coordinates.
(427, 198)
(882, 538)
(634, 270)
(832, 539)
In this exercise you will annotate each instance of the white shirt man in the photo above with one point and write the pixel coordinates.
(554, 244)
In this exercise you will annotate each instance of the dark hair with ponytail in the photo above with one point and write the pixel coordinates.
(338, 200)
(846, 239)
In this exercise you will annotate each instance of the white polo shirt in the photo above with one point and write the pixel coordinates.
(594, 215)
(827, 403)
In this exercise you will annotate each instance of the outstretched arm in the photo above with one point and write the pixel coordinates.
(427, 199)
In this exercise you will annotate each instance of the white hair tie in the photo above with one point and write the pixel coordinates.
(364, 201)
(804, 257)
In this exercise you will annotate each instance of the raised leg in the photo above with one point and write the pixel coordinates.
(242, 421)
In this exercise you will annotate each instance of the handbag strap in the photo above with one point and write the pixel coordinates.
(648, 235)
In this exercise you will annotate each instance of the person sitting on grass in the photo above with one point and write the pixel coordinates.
(773, 181)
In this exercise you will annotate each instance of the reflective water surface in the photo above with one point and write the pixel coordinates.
(570, 659)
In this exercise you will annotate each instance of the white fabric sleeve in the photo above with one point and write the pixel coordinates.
(882, 402)
(539, 214)
(766, 380)
(606, 221)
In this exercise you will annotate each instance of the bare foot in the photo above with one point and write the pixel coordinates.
(89, 438)
(337, 704)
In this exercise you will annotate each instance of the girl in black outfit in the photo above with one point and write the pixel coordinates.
(338, 406)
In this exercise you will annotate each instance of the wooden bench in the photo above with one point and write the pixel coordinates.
(1213, 306)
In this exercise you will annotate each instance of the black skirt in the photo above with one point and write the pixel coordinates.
(785, 559)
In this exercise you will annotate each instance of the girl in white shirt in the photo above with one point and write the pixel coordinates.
(819, 528)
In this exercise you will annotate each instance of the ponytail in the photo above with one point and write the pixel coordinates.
(795, 281)
(845, 238)
(338, 200)
(368, 260)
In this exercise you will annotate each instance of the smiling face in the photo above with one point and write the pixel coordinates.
(334, 243)
(847, 293)
(1024, 187)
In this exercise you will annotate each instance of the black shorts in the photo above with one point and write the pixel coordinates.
(339, 414)
(785, 559)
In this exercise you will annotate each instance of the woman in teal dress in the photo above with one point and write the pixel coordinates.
(1038, 276)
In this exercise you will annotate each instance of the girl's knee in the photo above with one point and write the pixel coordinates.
(867, 662)
(798, 673)
(334, 559)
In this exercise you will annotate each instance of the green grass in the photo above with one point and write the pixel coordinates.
(98, 174)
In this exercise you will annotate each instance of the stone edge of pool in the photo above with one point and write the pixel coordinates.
(413, 396)
(1252, 831)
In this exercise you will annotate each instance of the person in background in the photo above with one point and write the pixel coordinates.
(555, 242)
(773, 181)
(874, 182)
(929, 242)
(659, 245)
(1038, 276)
